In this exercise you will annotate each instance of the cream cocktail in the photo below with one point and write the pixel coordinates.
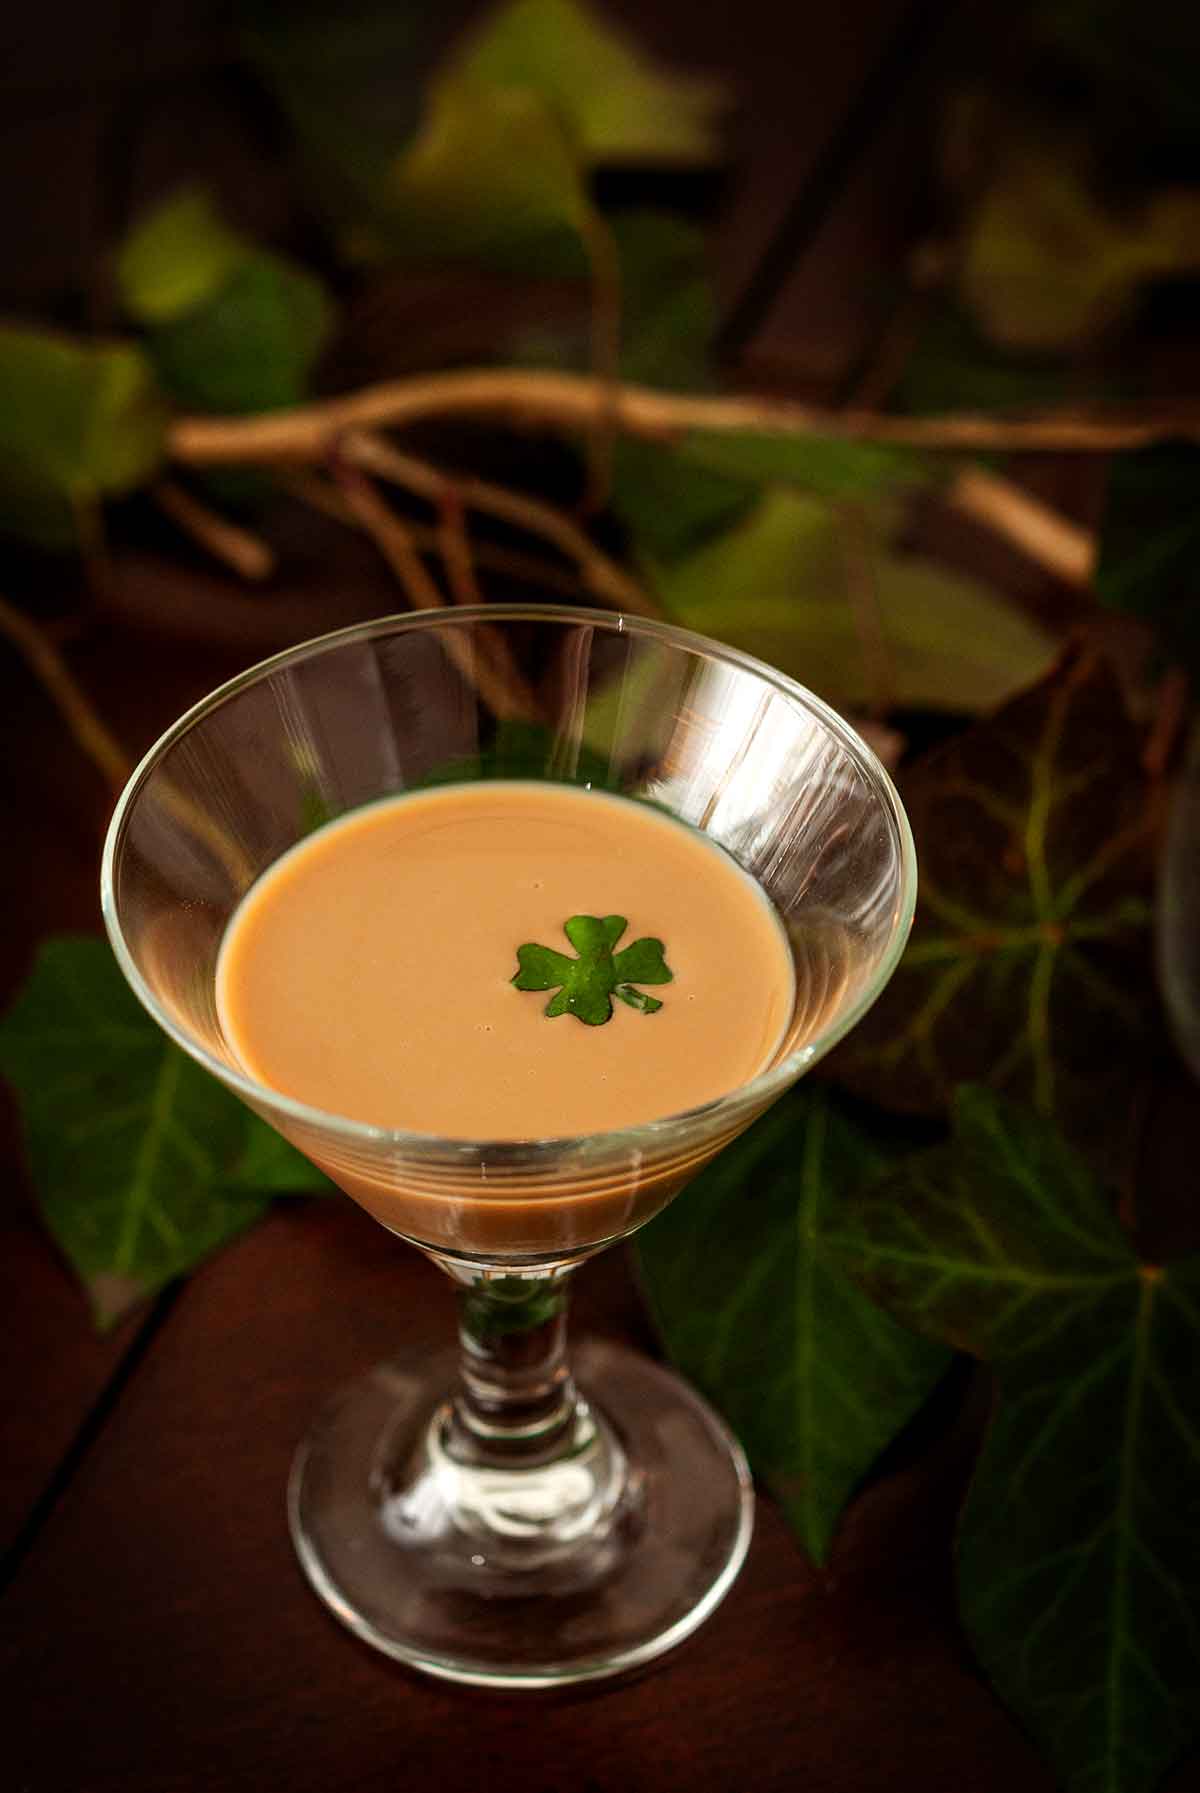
(369, 973)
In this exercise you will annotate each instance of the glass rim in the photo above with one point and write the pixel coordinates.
(757, 1091)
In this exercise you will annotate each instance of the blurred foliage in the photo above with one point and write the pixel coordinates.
(834, 601)
(78, 422)
(1069, 197)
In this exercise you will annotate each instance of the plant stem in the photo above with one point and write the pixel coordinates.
(496, 677)
(90, 734)
(1045, 536)
(245, 553)
(602, 576)
(539, 399)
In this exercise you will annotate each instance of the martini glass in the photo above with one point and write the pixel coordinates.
(494, 1514)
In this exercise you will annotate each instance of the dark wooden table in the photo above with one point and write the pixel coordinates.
(158, 1635)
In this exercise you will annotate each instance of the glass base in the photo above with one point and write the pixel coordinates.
(519, 1578)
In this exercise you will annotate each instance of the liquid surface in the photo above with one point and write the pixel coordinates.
(368, 973)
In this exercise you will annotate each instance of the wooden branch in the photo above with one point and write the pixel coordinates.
(1052, 541)
(602, 577)
(559, 401)
(455, 548)
(492, 670)
(245, 553)
(390, 535)
(323, 496)
(90, 734)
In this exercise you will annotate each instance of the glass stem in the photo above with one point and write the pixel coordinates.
(516, 1401)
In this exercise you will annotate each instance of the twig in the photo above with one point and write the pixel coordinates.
(492, 670)
(247, 554)
(535, 398)
(1062, 547)
(90, 533)
(455, 549)
(1170, 713)
(390, 535)
(529, 568)
(90, 734)
(603, 578)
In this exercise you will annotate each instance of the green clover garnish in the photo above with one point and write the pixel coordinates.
(586, 985)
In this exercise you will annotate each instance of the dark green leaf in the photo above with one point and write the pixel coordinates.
(1047, 266)
(668, 502)
(492, 176)
(671, 505)
(814, 1378)
(1079, 1566)
(952, 368)
(828, 466)
(349, 81)
(78, 422)
(990, 1240)
(668, 311)
(1150, 543)
(252, 345)
(784, 585)
(176, 257)
(142, 1162)
(1029, 965)
(618, 105)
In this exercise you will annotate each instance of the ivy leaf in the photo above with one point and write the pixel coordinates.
(815, 1379)
(779, 586)
(619, 106)
(826, 466)
(953, 367)
(1150, 540)
(1046, 266)
(1029, 963)
(667, 501)
(348, 81)
(78, 422)
(252, 344)
(491, 176)
(176, 257)
(1079, 1570)
(143, 1164)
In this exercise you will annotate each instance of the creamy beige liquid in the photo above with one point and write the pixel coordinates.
(369, 974)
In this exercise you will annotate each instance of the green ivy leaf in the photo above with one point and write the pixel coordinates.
(667, 501)
(826, 466)
(143, 1164)
(1046, 266)
(492, 176)
(953, 367)
(176, 257)
(618, 104)
(78, 422)
(349, 82)
(1029, 963)
(779, 586)
(1150, 541)
(813, 1377)
(252, 344)
(1079, 1570)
